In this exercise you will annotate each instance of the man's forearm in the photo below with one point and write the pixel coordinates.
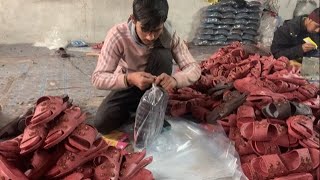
(188, 75)
(109, 81)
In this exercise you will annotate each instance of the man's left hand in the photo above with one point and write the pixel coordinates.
(167, 82)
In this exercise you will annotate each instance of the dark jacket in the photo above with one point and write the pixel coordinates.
(288, 39)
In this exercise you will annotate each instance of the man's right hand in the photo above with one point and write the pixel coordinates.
(142, 80)
(308, 47)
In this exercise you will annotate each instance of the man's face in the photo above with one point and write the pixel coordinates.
(313, 27)
(148, 38)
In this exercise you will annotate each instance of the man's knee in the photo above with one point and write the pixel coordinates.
(108, 119)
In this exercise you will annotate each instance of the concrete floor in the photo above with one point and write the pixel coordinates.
(27, 73)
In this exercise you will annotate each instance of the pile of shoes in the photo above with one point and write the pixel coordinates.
(56, 143)
(264, 105)
(228, 21)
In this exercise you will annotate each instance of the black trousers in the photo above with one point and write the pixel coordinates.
(115, 109)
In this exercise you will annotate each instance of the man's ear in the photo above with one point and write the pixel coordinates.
(133, 19)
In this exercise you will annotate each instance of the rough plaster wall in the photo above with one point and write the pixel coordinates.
(35, 20)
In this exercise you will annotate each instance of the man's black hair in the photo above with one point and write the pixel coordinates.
(150, 13)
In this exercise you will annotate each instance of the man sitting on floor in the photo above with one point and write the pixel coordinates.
(136, 54)
(288, 38)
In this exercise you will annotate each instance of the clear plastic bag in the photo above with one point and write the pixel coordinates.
(150, 116)
(269, 24)
(190, 152)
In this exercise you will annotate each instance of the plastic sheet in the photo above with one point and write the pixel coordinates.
(150, 116)
(269, 24)
(189, 152)
(304, 7)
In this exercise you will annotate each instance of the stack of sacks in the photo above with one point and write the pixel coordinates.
(229, 21)
(264, 105)
(58, 144)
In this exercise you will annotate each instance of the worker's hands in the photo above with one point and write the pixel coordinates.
(167, 82)
(308, 47)
(142, 80)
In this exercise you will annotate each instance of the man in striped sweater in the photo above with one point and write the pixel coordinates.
(136, 54)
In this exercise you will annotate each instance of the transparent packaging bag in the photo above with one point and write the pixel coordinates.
(149, 116)
(192, 151)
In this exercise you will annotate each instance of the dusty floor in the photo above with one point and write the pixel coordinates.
(27, 73)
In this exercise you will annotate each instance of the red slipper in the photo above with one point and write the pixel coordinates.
(296, 176)
(269, 166)
(47, 108)
(259, 131)
(245, 114)
(64, 126)
(9, 172)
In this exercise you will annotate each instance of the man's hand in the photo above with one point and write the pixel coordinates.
(142, 80)
(308, 47)
(166, 81)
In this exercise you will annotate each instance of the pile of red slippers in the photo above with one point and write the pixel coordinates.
(264, 105)
(58, 144)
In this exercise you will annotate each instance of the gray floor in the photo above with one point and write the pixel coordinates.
(27, 73)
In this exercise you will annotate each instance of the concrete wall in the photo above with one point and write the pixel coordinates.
(31, 21)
